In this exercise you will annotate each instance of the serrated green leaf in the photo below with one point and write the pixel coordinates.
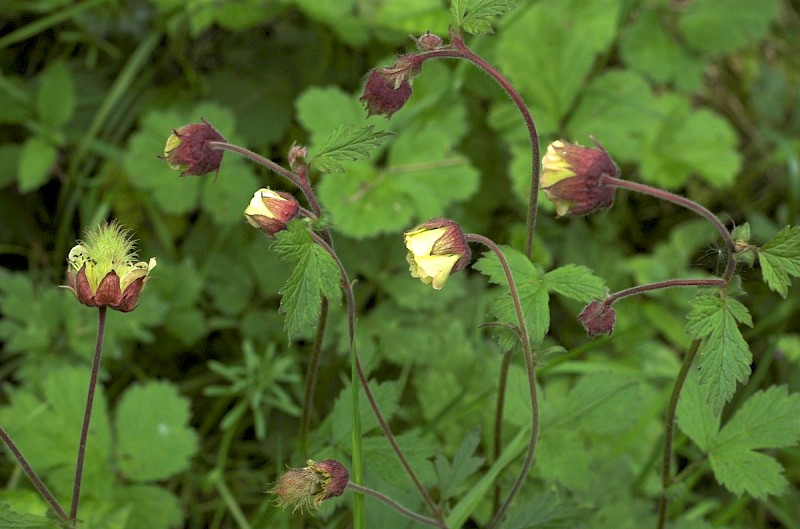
(348, 143)
(695, 417)
(45, 422)
(452, 476)
(55, 100)
(576, 282)
(475, 17)
(12, 520)
(780, 259)
(35, 162)
(153, 415)
(315, 275)
(769, 419)
(546, 511)
(724, 357)
(533, 296)
(746, 471)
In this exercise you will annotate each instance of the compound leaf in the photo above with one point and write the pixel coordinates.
(780, 258)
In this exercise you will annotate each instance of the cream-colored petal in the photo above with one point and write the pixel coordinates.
(420, 242)
(257, 206)
(436, 268)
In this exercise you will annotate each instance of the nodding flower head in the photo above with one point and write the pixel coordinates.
(436, 249)
(306, 488)
(270, 210)
(598, 318)
(188, 150)
(102, 270)
(388, 89)
(571, 178)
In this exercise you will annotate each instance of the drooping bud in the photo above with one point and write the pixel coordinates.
(571, 178)
(598, 318)
(102, 271)
(270, 210)
(428, 41)
(436, 249)
(297, 156)
(188, 150)
(388, 89)
(306, 488)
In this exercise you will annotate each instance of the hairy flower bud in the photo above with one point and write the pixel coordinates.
(102, 271)
(571, 178)
(187, 149)
(307, 487)
(270, 210)
(383, 94)
(436, 249)
(598, 318)
(428, 41)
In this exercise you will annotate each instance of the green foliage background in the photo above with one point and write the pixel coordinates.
(201, 388)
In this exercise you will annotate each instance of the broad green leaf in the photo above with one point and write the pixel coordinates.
(12, 520)
(540, 52)
(718, 29)
(648, 47)
(153, 415)
(746, 471)
(346, 143)
(151, 507)
(546, 511)
(35, 162)
(780, 259)
(684, 142)
(475, 16)
(315, 274)
(769, 419)
(412, 16)
(695, 417)
(533, 296)
(575, 282)
(45, 423)
(321, 110)
(55, 100)
(453, 475)
(724, 356)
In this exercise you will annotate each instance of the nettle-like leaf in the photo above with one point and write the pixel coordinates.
(12, 520)
(769, 419)
(315, 275)
(475, 16)
(347, 143)
(724, 356)
(573, 281)
(153, 439)
(453, 475)
(780, 258)
(546, 511)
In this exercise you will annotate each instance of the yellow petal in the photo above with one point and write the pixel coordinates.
(420, 242)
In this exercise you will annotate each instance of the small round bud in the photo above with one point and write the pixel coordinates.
(270, 210)
(428, 42)
(102, 271)
(297, 156)
(383, 95)
(598, 318)
(571, 178)
(188, 150)
(436, 249)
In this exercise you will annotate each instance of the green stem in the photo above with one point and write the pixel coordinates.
(358, 373)
(530, 365)
(87, 414)
(408, 513)
(498, 421)
(666, 463)
(37, 482)
(686, 203)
